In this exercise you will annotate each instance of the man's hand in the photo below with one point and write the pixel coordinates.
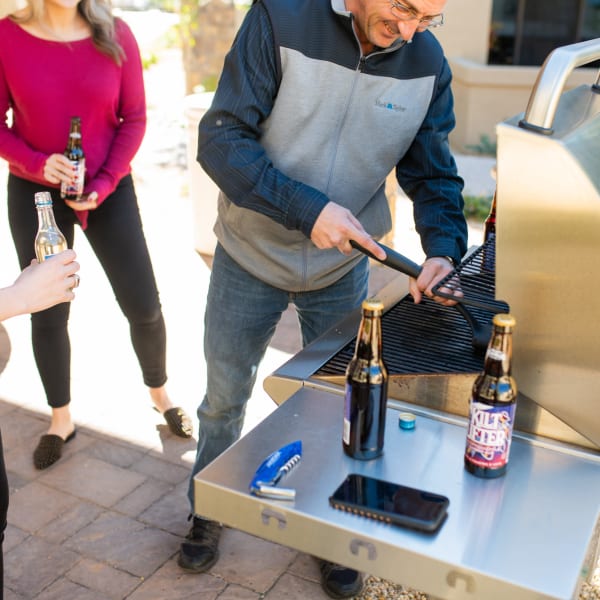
(336, 226)
(434, 269)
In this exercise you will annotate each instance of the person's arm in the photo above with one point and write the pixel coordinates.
(429, 176)
(130, 132)
(229, 147)
(12, 147)
(40, 286)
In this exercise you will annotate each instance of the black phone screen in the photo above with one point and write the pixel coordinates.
(390, 502)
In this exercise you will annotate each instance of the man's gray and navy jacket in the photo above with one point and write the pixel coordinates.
(301, 118)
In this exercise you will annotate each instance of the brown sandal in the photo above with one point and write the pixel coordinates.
(179, 423)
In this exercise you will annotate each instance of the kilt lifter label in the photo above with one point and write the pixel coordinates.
(489, 434)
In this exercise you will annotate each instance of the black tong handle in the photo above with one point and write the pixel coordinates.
(393, 259)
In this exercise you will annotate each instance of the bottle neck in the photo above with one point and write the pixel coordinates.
(46, 217)
(74, 134)
(74, 141)
(368, 343)
(498, 357)
(490, 221)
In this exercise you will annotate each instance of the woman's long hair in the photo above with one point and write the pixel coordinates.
(96, 12)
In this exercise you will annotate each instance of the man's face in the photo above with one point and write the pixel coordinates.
(380, 24)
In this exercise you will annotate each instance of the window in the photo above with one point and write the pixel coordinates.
(524, 32)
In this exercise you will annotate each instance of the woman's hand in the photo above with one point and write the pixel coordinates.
(58, 169)
(87, 202)
(41, 285)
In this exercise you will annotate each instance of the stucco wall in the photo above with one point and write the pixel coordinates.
(485, 95)
(466, 31)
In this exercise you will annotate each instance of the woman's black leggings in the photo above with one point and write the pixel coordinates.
(116, 236)
(3, 514)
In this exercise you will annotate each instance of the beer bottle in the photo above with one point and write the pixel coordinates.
(492, 405)
(49, 239)
(489, 225)
(489, 230)
(366, 388)
(74, 152)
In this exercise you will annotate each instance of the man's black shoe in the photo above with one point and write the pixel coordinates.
(338, 581)
(201, 550)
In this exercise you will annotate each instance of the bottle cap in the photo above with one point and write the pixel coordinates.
(43, 199)
(504, 320)
(406, 420)
(372, 304)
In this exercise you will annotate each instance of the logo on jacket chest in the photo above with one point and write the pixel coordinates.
(379, 103)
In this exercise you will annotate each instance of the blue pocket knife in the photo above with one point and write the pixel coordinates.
(272, 469)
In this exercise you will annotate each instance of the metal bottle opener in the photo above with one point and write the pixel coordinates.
(271, 471)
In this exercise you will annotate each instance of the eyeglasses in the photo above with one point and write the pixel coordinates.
(407, 13)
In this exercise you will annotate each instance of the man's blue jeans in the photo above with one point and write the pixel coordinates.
(241, 315)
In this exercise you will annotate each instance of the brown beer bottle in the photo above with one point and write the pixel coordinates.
(489, 230)
(489, 225)
(492, 406)
(366, 388)
(74, 152)
(49, 239)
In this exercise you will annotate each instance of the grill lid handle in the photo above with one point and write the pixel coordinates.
(541, 109)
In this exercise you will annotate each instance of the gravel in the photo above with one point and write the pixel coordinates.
(380, 589)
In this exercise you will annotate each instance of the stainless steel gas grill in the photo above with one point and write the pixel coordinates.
(534, 533)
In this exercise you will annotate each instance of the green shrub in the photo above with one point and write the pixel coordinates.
(477, 208)
(485, 147)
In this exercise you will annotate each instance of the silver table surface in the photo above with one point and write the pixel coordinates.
(530, 534)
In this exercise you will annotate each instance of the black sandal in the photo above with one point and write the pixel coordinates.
(179, 423)
(49, 449)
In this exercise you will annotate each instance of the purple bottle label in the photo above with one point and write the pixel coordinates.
(489, 435)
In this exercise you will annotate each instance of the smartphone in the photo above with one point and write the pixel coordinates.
(391, 502)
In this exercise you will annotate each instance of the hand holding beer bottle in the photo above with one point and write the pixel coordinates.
(49, 240)
(72, 189)
(68, 170)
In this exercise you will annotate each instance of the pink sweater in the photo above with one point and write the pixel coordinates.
(46, 83)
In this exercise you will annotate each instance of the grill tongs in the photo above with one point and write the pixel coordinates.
(474, 280)
(481, 332)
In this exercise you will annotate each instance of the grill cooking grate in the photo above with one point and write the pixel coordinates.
(424, 338)
(475, 277)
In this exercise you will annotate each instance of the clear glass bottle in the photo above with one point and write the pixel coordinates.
(49, 239)
(492, 406)
(74, 152)
(366, 388)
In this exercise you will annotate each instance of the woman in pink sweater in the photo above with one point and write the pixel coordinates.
(58, 59)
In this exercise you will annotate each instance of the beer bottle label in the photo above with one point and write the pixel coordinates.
(347, 415)
(76, 187)
(489, 434)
